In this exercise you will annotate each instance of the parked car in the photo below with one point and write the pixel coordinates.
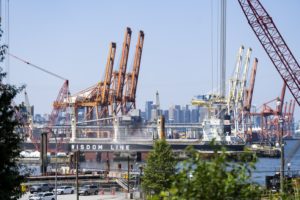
(42, 196)
(65, 190)
(44, 187)
(88, 190)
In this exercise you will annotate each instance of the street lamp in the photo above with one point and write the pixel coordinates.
(281, 120)
(55, 166)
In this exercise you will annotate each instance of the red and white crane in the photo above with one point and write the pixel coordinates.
(275, 46)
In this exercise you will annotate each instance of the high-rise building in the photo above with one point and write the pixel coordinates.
(172, 114)
(186, 114)
(148, 108)
(178, 114)
(154, 114)
(143, 115)
(166, 115)
(195, 115)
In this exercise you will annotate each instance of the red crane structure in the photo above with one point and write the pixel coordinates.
(274, 44)
(269, 117)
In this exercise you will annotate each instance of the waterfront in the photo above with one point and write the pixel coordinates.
(269, 166)
(264, 166)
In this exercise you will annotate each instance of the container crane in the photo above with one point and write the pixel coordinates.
(237, 91)
(249, 91)
(108, 75)
(248, 101)
(270, 38)
(241, 92)
(96, 97)
(119, 77)
(234, 81)
(132, 78)
(100, 94)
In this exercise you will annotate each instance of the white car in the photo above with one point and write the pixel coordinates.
(65, 190)
(43, 196)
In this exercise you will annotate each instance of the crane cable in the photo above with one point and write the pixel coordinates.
(37, 67)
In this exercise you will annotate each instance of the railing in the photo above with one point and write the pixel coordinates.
(123, 183)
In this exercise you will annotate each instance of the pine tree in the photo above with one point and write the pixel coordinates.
(159, 169)
(10, 179)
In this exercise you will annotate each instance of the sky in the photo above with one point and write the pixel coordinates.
(71, 38)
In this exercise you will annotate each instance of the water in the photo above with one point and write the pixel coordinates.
(269, 166)
(264, 166)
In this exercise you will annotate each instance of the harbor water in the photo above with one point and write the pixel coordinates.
(269, 166)
(264, 166)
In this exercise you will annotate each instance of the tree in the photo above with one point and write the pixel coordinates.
(10, 139)
(219, 178)
(159, 169)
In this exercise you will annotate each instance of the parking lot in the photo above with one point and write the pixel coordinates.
(107, 195)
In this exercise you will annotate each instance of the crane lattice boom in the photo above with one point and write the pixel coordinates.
(123, 64)
(274, 44)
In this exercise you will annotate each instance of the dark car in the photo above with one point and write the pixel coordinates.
(44, 187)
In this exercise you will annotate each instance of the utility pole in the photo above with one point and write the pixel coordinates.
(76, 164)
(128, 175)
(281, 121)
(55, 166)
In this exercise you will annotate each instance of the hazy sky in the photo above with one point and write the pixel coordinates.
(71, 38)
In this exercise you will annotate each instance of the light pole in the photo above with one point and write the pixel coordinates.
(76, 164)
(55, 166)
(281, 122)
(128, 162)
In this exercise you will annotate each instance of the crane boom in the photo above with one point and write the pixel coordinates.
(274, 44)
(251, 86)
(244, 76)
(108, 74)
(136, 65)
(123, 64)
(282, 97)
(234, 81)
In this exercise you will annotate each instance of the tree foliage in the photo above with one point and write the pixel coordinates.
(10, 178)
(218, 178)
(159, 169)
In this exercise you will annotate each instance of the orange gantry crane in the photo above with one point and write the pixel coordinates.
(96, 97)
(132, 77)
(117, 92)
(120, 76)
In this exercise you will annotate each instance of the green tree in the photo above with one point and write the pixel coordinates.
(218, 178)
(160, 168)
(10, 179)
